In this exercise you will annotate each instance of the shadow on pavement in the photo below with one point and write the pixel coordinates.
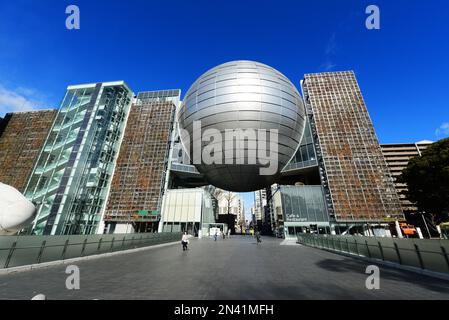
(348, 265)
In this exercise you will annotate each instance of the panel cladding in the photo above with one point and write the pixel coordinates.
(20, 144)
(74, 170)
(243, 95)
(397, 156)
(139, 175)
(51, 219)
(357, 176)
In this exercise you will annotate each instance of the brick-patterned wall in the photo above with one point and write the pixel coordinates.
(139, 172)
(359, 180)
(22, 138)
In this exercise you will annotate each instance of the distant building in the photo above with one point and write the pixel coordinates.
(22, 136)
(188, 210)
(230, 203)
(397, 156)
(260, 201)
(253, 216)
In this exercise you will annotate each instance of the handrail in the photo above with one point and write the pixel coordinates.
(425, 254)
(27, 250)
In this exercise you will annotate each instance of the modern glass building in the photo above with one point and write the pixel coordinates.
(71, 178)
(305, 157)
(140, 177)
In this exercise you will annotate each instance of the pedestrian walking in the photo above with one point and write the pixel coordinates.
(185, 241)
(259, 240)
(223, 234)
(229, 233)
(215, 235)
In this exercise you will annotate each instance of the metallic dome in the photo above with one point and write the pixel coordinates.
(243, 95)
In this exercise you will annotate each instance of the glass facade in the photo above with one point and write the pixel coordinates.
(148, 97)
(303, 204)
(305, 156)
(70, 180)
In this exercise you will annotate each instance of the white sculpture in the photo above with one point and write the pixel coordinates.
(16, 211)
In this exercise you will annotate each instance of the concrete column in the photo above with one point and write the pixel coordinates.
(418, 229)
(439, 231)
(398, 229)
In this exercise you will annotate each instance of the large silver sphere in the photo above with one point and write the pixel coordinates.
(243, 95)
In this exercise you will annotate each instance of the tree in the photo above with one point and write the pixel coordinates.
(228, 197)
(427, 179)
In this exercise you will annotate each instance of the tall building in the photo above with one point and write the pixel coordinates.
(71, 178)
(22, 136)
(141, 172)
(253, 216)
(260, 201)
(397, 156)
(356, 179)
(230, 203)
(241, 218)
(230, 209)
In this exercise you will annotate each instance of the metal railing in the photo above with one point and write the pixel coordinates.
(424, 254)
(27, 250)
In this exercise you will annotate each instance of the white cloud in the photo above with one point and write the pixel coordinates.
(328, 65)
(443, 130)
(329, 53)
(20, 99)
(331, 46)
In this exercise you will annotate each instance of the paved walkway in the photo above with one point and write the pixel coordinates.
(235, 268)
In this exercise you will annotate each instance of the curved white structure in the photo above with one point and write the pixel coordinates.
(16, 211)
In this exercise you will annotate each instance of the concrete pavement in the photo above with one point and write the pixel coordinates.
(235, 268)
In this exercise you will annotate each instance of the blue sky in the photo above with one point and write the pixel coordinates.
(403, 68)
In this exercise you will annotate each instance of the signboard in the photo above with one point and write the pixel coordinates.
(143, 212)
